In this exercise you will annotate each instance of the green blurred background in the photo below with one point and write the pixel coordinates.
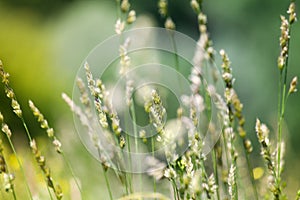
(42, 45)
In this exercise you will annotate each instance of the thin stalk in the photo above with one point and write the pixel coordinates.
(107, 184)
(26, 129)
(72, 172)
(281, 109)
(130, 160)
(128, 176)
(118, 166)
(21, 167)
(49, 192)
(175, 190)
(225, 148)
(176, 59)
(175, 50)
(214, 159)
(152, 149)
(236, 197)
(105, 176)
(233, 160)
(14, 194)
(30, 140)
(280, 130)
(279, 121)
(132, 109)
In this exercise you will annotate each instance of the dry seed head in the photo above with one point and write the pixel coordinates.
(50, 132)
(84, 97)
(293, 85)
(203, 30)
(7, 179)
(33, 145)
(115, 125)
(195, 6)
(162, 7)
(124, 58)
(292, 12)
(195, 182)
(248, 145)
(202, 19)
(125, 5)
(157, 112)
(10, 93)
(6, 130)
(228, 131)
(280, 62)
(242, 132)
(91, 81)
(44, 124)
(16, 108)
(3, 168)
(129, 91)
(5, 76)
(231, 180)
(68, 100)
(119, 26)
(38, 115)
(122, 141)
(222, 52)
(284, 38)
(170, 173)
(74, 108)
(227, 77)
(169, 24)
(58, 192)
(57, 145)
(131, 17)
(101, 115)
(225, 60)
(262, 132)
(212, 187)
(229, 93)
(80, 85)
(1, 118)
(142, 135)
(179, 112)
(210, 51)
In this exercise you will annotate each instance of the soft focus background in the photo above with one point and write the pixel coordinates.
(43, 43)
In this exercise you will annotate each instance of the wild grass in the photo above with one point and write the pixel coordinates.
(191, 175)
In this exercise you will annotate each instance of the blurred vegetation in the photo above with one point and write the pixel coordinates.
(42, 44)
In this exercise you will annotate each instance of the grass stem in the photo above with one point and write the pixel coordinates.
(21, 167)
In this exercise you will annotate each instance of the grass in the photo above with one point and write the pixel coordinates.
(193, 174)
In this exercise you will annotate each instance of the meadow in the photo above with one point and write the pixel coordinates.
(155, 110)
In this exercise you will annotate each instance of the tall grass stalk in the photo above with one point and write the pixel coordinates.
(136, 136)
(105, 163)
(8, 136)
(7, 176)
(55, 141)
(19, 113)
(106, 179)
(283, 58)
(126, 17)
